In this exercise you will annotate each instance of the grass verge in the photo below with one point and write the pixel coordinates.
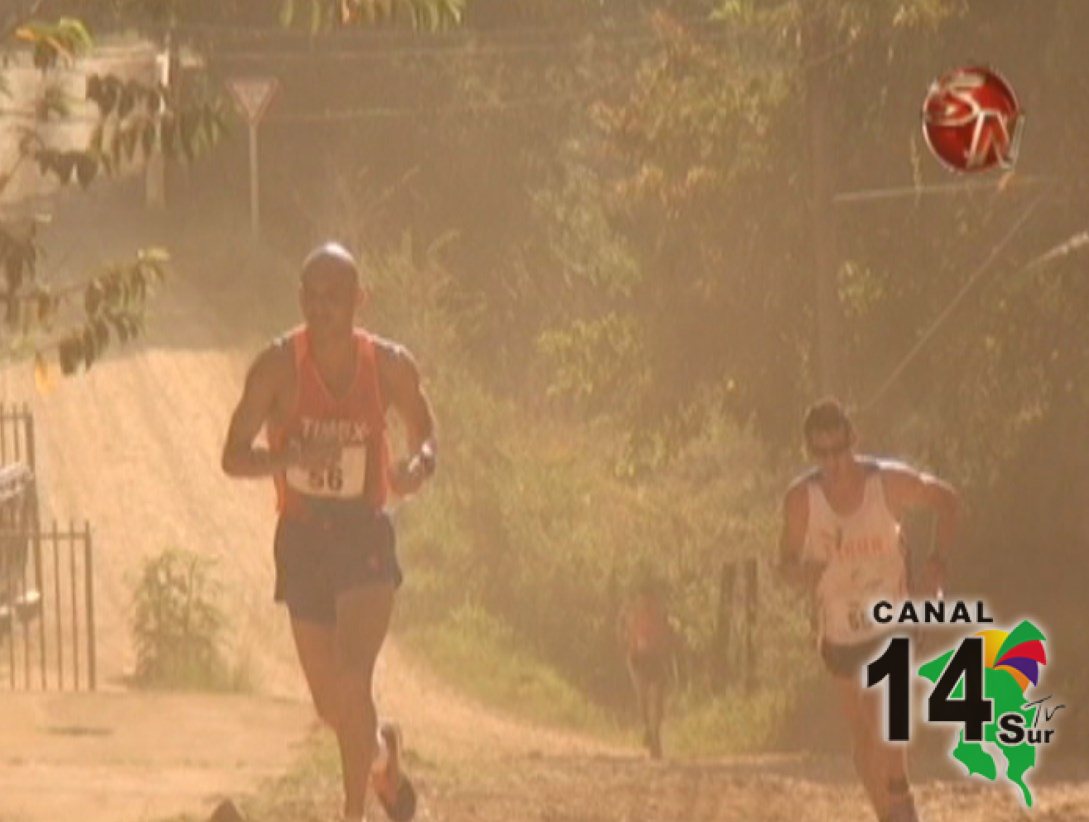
(481, 657)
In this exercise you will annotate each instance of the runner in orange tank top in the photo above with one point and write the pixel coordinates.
(648, 640)
(322, 392)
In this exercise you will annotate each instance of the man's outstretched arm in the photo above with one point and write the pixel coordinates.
(907, 489)
(407, 398)
(240, 457)
(792, 568)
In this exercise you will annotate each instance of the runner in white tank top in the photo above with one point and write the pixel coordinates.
(841, 543)
(862, 555)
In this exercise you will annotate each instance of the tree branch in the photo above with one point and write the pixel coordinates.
(18, 18)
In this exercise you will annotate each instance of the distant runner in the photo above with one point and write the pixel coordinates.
(841, 541)
(648, 641)
(322, 392)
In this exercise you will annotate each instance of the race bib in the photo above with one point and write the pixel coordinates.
(341, 480)
(847, 593)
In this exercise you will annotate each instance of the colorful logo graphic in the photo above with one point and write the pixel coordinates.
(1016, 728)
(981, 684)
(972, 120)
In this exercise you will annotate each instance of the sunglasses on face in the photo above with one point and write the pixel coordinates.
(829, 451)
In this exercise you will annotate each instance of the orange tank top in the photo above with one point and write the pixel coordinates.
(648, 629)
(356, 420)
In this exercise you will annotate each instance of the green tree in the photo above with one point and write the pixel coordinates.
(76, 320)
(729, 147)
(322, 15)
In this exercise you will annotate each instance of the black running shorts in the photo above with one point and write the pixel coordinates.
(337, 547)
(649, 666)
(847, 660)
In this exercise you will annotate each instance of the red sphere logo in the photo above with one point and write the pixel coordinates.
(971, 120)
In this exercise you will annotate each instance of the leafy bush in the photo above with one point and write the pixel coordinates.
(535, 531)
(179, 626)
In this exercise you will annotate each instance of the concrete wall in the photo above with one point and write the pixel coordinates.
(26, 86)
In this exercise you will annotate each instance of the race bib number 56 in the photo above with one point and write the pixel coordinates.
(344, 478)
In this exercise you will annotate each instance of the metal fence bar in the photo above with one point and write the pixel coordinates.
(57, 604)
(32, 521)
(751, 596)
(71, 535)
(724, 628)
(41, 604)
(735, 633)
(3, 434)
(31, 455)
(7, 621)
(14, 418)
(24, 604)
(89, 601)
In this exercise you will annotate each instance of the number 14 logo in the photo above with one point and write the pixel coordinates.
(981, 684)
(947, 702)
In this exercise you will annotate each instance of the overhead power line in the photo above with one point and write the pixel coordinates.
(1071, 245)
(911, 191)
(462, 49)
(386, 112)
(459, 33)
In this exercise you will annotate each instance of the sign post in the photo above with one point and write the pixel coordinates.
(252, 96)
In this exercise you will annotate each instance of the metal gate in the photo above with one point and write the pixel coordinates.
(47, 627)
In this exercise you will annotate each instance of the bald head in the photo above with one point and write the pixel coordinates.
(330, 260)
(329, 292)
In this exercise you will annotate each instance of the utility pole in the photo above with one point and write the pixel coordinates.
(822, 225)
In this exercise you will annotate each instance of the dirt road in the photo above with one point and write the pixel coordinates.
(134, 447)
(120, 757)
(479, 767)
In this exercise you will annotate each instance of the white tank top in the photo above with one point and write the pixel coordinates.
(864, 561)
